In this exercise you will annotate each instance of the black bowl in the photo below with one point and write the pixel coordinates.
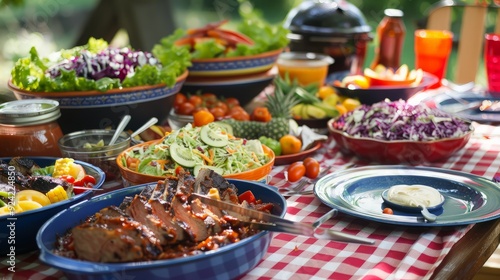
(376, 94)
(244, 87)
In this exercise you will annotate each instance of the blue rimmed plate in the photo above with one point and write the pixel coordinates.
(468, 198)
(448, 104)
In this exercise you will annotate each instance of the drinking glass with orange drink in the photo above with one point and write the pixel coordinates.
(306, 68)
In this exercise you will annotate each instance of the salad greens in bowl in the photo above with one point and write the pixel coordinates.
(192, 148)
(398, 132)
(96, 84)
(252, 48)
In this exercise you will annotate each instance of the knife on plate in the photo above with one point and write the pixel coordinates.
(265, 221)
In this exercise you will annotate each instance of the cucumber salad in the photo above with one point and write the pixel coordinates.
(209, 146)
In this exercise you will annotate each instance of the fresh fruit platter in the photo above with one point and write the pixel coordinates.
(382, 76)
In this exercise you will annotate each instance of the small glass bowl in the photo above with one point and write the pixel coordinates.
(72, 145)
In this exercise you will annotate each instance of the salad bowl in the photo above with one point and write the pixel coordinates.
(227, 262)
(132, 177)
(402, 149)
(81, 110)
(26, 224)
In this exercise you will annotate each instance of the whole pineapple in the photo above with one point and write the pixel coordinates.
(280, 106)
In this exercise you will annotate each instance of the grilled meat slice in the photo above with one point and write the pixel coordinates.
(193, 225)
(24, 165)
(207, 179)
(44, 183)
(114, 239)
(140, 211)
(161, 208)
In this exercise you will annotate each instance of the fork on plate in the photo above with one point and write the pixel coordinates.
(298, 189)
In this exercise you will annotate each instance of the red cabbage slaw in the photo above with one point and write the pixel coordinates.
(399, 120)
(113, 63)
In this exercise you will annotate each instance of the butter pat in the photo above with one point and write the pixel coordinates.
(414, 195)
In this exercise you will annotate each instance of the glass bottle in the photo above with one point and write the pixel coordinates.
(30, 128)
(391, 32)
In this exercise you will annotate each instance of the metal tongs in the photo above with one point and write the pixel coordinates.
(278, 224)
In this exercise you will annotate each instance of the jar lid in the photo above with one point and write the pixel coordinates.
(29, 112)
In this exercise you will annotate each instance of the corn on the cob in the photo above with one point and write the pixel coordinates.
(57, 194)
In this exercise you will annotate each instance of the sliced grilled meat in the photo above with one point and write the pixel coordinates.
(114, 239)
(24, 165)
(141, 212)
(44, 183)
(207, 179)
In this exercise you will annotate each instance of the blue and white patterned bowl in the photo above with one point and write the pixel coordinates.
(227, 262)
(234, 66)
(81, 110)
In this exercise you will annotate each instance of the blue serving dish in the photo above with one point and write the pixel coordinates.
(26, 224)
(227, 262)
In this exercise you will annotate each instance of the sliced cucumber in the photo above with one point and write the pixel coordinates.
(212, 136)
(181, 155)
(198, 167)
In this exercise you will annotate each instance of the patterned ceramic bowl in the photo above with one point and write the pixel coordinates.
(233, 66)
(82, 110)
(227, 262)
(27, 223)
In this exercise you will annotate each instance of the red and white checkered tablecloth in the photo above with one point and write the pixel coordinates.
(400, 252)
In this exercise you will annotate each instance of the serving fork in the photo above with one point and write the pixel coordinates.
(277, 224)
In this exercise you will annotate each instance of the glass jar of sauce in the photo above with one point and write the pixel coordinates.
(30, 128)
(391, 32)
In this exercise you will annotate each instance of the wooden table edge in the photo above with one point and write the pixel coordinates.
(470, 253)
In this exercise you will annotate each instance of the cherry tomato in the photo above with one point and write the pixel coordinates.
(217, 112)
(197, 109)
(186, 109)
(261, 114)
(296, 171)
(222, 105)
(231, 102)
(387, 211)
(240, 115)
(312, 167)
(195, 100)
(209, 97)
(68, 178)
(87, 179)
(179, 100)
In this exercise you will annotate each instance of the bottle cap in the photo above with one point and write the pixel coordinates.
(395, 13)
(29, 112)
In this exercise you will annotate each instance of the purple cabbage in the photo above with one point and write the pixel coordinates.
(112, 63)
(399, 120)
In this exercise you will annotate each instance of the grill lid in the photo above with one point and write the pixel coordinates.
(326, 18)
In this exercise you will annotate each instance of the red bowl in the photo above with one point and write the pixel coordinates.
(398, 151)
